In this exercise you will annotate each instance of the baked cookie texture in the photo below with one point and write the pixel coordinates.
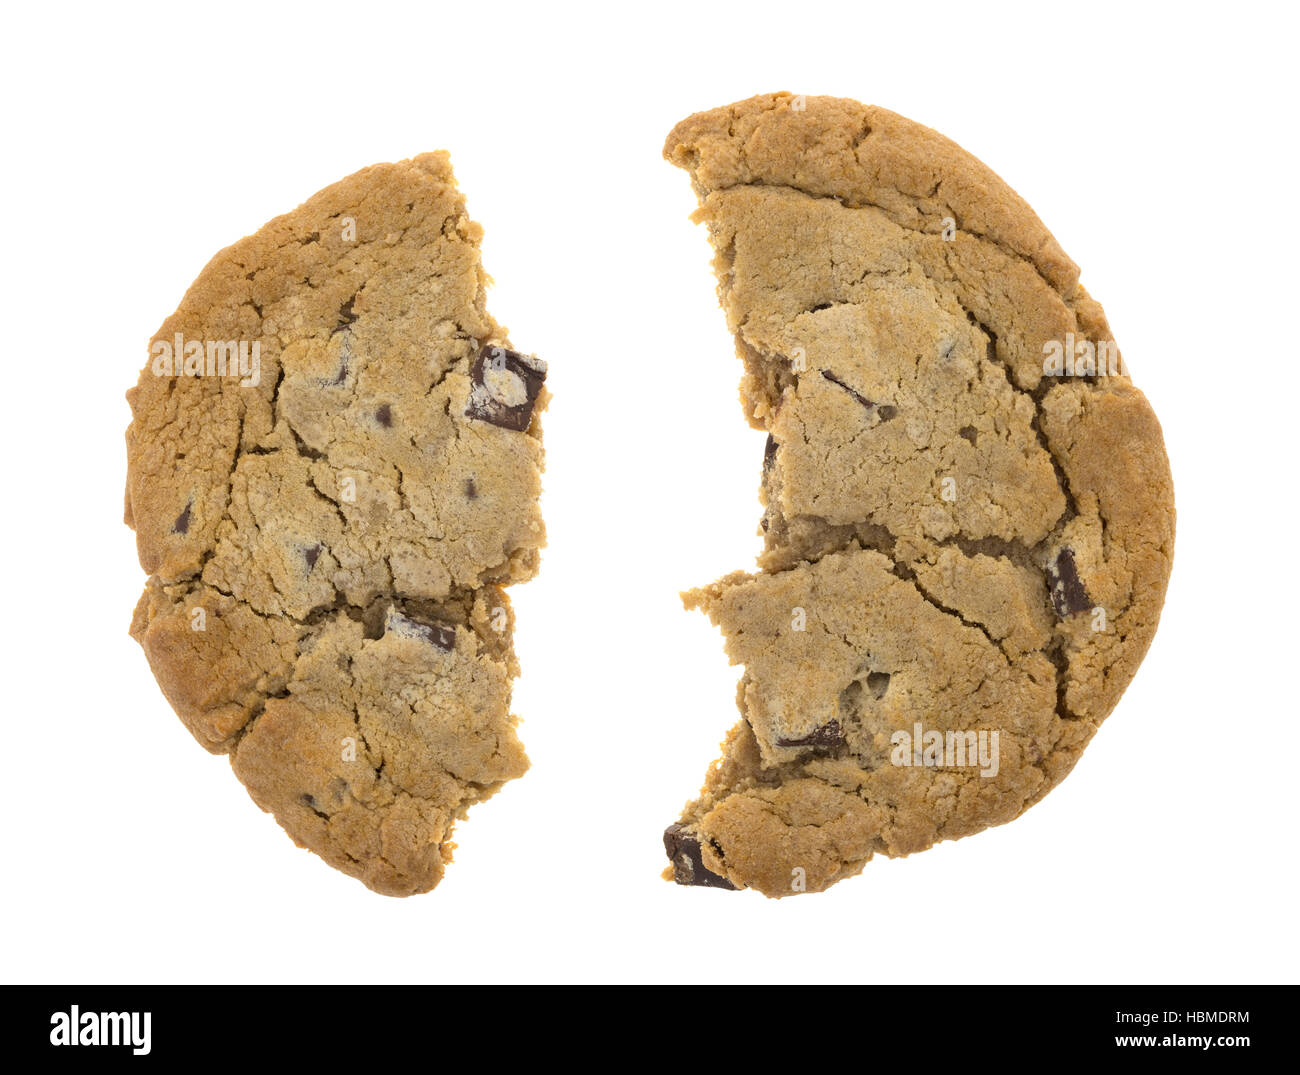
(957, 540)
(327, 535)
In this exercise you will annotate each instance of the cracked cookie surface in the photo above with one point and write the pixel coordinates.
(966, 547)
(334, 465)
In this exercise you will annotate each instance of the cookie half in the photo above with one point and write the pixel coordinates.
(334, 465)
(968, 513)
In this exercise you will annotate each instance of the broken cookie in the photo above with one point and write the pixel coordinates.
(968, 513)
(334, 464)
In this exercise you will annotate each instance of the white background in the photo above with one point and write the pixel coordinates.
(1155, 141)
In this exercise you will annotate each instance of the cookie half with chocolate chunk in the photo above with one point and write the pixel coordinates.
(968, 513)
(334, 464)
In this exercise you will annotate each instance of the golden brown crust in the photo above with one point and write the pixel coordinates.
(863, 155)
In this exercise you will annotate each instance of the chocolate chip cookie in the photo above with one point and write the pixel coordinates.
(334, 465)
(968, 513)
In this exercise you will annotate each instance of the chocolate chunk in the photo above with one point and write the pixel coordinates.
(471, 490)
(440, 635)
(683, 848)
(1068, 594)
(182, 523)
(828, 735)
(504, 388)
(312, 555)
(769, 452)
(384, 416)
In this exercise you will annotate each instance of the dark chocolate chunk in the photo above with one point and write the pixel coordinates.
(312, 555)
(182, 523)
(1068, 593)
(471, 490)
(504, 388)
(828, 735)
(769, 452)
(384, 416)
(440, 635)
(683, 849)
